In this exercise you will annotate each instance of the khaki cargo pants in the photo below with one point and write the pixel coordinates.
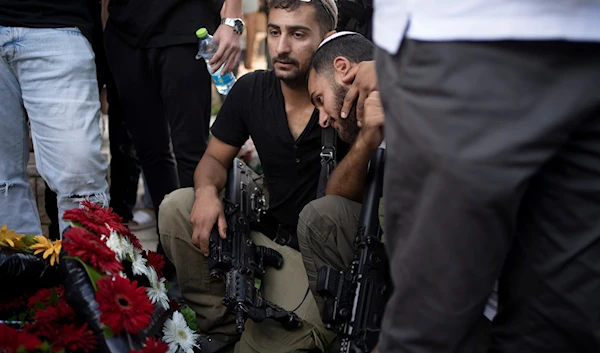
(327, 228)
(285, 287)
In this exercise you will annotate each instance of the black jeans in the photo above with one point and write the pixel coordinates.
(492, 173)
(124, 168)
(166, 96)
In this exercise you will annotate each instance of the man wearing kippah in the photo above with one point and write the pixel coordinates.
(327, 226)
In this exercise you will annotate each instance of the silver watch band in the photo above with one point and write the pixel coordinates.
(236, 23)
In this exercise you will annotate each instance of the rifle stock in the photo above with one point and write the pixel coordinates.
(355, 298)
(239, 261)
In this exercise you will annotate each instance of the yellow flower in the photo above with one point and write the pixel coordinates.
(9, 238)
(49, 248)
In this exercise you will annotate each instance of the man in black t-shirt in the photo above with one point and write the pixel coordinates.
(274, 108)
(48, 74)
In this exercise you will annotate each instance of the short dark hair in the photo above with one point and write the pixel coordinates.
(327, 18)
(353, 47)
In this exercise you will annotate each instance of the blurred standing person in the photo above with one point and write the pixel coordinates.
(250, 8)
(124, 171)
(493, 127)
(164, 91)
(47, 73)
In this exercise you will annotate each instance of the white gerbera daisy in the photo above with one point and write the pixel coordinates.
(178, 335)
(120, 245)
(138, 262)
(157, 292)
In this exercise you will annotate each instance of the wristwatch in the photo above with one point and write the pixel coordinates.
(236, 23)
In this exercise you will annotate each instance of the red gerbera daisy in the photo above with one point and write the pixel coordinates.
(80, 242)
(46, 320)
(96, 219)
(156, 260)
(153, 345)
(11, 339)
(43, 296)
(75, 339)
(124, 305)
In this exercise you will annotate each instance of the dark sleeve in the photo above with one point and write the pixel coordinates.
(230, 125)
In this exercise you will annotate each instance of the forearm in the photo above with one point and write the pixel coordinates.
(232, 9)
(104, 13)
(210, 175)
(349, 177)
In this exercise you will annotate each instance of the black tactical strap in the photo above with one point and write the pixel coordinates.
(328, 158)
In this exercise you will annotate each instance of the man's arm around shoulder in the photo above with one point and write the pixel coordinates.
(104, 13)
(349, 177)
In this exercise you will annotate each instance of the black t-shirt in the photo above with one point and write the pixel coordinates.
(160, 23)
(48, 14)
(255, 107)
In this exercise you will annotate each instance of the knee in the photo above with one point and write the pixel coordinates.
(321, 210)
(318, 218)
(84, 173)
(174, 211)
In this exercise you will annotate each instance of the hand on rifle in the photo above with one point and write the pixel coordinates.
(363, 78)
(371, 132)
(206, 212)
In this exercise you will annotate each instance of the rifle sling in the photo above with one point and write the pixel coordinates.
(328, 158)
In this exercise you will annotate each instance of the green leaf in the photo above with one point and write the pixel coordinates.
(28, 240)
(54, 297)
(45, 347)
(92, 273)
(108, 333)
(22, 316)
(21, 349)
(190, 317)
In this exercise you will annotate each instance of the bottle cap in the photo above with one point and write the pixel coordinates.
(201, 33)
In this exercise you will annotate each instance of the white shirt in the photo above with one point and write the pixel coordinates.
(484, 20)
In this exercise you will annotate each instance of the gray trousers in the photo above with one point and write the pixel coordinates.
(326, 230)
(497, 149)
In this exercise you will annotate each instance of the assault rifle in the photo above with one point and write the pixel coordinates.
(356, 297)
(237, 259)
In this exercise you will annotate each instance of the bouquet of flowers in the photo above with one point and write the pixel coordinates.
(114, 297)
(27, 263)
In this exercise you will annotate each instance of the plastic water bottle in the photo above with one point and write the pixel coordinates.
(207, 47)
